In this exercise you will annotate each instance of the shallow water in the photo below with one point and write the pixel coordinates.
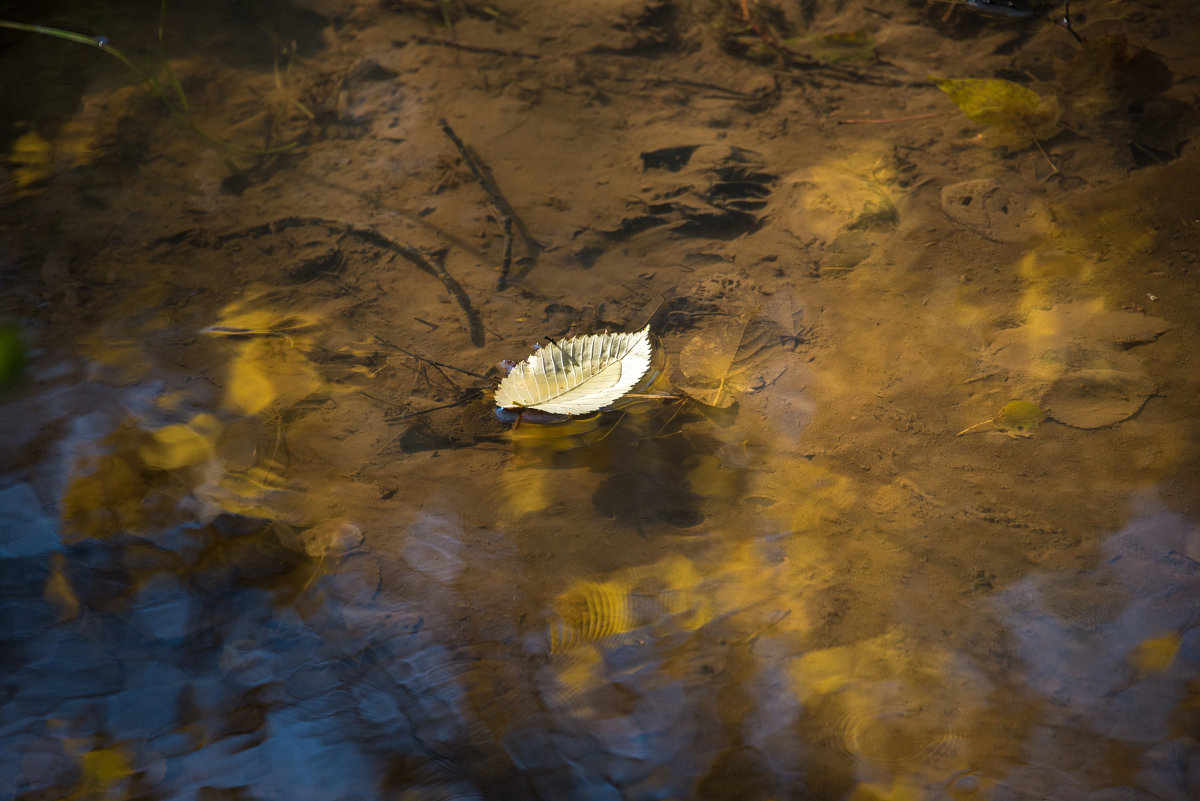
(262, 533)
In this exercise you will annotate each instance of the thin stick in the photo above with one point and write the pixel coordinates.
(506, 264)
(1050, 161)
(1066, 21)
(441, 370)
(762, 33)
(428, 360)
(400, 418)
(612, 428)
(503, 210)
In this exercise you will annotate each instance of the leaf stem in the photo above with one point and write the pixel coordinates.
(977, 427)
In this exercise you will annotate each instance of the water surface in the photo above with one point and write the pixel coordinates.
(263, 534)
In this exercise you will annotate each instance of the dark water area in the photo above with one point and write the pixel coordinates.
(904, 506)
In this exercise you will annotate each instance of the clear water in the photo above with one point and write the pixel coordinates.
(262, 534)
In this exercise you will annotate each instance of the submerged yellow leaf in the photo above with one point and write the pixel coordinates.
(103, 768)
(717, 363)
(1019, 418)
(1017, 115)
(1155, 655)
(577, 375)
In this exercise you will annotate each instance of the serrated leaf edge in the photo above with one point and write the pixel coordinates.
(545, 377)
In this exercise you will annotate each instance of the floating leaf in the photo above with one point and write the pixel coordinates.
(577, 375)
(718, 363)
(1017, 115)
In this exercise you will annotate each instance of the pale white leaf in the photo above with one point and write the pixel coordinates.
(577, 375)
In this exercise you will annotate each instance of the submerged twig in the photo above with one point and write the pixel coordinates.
(506, 216)
(428, 360)
(1049, 160)
(1066, 22)
(401, 418)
